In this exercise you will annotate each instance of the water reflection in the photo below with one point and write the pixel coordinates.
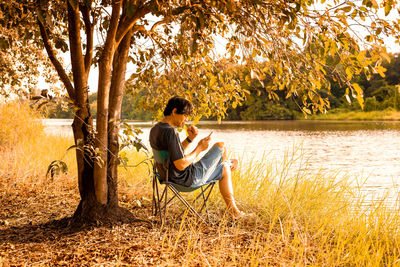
(302, 125)
(357, 149)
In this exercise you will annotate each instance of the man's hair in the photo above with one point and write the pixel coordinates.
(182, 105)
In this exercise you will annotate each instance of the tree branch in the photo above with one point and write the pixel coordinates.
(56, 63)
(158, 23)
(77, 61)
(128, 22)
(89, 29)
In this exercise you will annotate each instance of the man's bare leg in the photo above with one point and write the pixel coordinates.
(226, 189)
(225, 184)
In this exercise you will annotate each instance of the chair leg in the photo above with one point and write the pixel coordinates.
(154, 204)
(166, 203)
(158, 208)
(204, 202)
(205, 199)
(156, 197)
(205, 195)
(169, 201)
(186, 203)
(203, 191)
(162, 209)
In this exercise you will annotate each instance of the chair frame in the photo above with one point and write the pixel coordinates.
(159, 208)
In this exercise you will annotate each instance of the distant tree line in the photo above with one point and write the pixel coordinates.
(379, 93)
(63, 110)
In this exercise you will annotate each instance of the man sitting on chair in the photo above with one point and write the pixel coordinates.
(213, 166)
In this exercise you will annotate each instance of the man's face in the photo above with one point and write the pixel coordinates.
(179, 119)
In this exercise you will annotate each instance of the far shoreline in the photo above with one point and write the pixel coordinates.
(334, 116)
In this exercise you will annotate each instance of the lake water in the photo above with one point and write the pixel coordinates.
(358, 149)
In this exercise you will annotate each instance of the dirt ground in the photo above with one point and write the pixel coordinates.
(34, 232)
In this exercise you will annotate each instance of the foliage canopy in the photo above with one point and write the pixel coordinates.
(300, 44)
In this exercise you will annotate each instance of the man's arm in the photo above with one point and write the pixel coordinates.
(192, 132)
(185, 144)
(184, 162)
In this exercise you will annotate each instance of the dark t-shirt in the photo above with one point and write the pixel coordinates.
(165, 137)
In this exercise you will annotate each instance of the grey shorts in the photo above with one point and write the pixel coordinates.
(208, 168)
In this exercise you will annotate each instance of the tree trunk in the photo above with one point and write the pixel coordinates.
(89, 210)
(105, 72)
(114, 115)
(94, 188)
(97, 184)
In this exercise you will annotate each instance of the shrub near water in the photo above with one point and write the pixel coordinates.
(25, 149)
(18, 124)
(358, 115)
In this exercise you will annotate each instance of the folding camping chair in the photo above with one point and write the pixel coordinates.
(160, 199)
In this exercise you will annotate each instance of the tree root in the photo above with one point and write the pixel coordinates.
(101, 215)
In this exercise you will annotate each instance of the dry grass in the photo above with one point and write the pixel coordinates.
(301, 218)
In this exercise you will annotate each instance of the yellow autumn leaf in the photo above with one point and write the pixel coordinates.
(349, 73)
(381, 70)
(357, 88)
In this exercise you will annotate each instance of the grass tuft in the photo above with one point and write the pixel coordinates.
(19, 124)
(26, 151)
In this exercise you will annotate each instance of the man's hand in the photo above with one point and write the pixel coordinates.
(192, 132)
(204, 143)
(182, 163)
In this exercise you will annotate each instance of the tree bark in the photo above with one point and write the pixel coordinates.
(101, 141)
(83, 121)
(98, 184)
(82, 128)
(114, 115)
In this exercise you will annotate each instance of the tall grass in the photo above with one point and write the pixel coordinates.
(19, 124)
(302, 218)
(25, 149)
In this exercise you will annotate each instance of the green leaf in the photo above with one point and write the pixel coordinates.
(367, 3)
(61, 44)
(56, 167)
